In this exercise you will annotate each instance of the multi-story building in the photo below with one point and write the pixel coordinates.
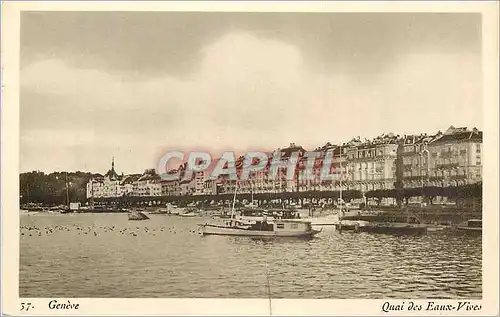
(452, 158)
(107, 186)
(149, 184)
(170, 187)
(415, 160)
(372, 164)
(337, 170)
(210, 187)
(127, 184)
(279, 182)
(455, 157)
(198, 181)
(95, 187)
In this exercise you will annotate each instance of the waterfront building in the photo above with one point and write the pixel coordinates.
(198, 183)
(95, 187)
(260, 179)
(281, 183)
(415, 160)
(127, 184)
(290, 185)
(337, 170)
(107, 186)
(170, 187)
(149, 184)
(452, 158)
(185, 187)
(455, 157)
(210, 187)
(112, 183)
(372, 163)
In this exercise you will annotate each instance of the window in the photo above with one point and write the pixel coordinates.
(294, 226)
(280, 226)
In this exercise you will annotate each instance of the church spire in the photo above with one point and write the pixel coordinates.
(113, 163)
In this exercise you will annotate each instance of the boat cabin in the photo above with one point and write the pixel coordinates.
(475, 223)
(273, 225)
(275, 214)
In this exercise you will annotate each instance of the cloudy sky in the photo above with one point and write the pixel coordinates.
(136, 84)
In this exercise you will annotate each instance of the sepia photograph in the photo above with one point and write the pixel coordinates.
(246, 154)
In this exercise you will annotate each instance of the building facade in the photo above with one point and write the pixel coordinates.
(455, 157)
(372, 163)
(452, 158)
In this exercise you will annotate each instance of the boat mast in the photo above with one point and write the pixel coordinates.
(251, 186)
(234, 200)
(67, 191)
(340, 164)
(341, 215)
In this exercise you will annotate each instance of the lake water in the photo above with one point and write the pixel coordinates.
(106, 255)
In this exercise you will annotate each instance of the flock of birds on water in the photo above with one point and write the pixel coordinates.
(96, 230)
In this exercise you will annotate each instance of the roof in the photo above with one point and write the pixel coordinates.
(130, 179)
(331, 147)
(112, 175)
(459, 134)
(286, 152)
(418, 139)
(149, 175)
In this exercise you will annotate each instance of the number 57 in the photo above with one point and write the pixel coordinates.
(25, 306)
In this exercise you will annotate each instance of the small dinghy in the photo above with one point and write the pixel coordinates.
(137, 215)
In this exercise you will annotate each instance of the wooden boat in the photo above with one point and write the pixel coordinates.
(137, 215)
(471, 226)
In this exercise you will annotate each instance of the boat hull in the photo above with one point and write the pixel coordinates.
(135, 215)
(187, 215)
(470, 231)
(227, 231)
(394, 228)
(350, 225)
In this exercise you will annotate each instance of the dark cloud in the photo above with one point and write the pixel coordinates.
(170, 42)
(101, 84)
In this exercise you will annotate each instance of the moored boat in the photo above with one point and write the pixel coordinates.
(394, 227)
(160, 211)
(260, 226)
(137, 215)
(412, 225)
(471, 226)
(274, 228)
(351, 225)
(188, 214)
